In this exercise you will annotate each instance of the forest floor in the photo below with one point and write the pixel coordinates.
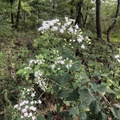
(15, 52)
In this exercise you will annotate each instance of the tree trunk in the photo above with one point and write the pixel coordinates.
(114, 22)
(79, 17)
(18, 14)
(85, 18)
(12, 16)
(71, 10)
(98, 24)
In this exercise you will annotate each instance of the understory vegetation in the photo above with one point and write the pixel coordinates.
(62, 74)
(51, 68)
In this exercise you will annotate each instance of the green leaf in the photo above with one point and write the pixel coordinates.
(95, 74)
(40, 117)
(94, 107)
(73, 96)
(86, 96)
(83, 115)
(66, 115)
(93, 86)
(63, 93)
(20, 71)
(104, 88)
(115, 112)
(101, 116)
(64, 79)
(76, 66)
(74, 111)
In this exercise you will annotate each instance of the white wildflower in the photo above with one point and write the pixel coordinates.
(62, 62)
(33, 95)
(24, 110)
(33, 118)
(53, 66)
(39, 101)
(16, 106)
(26, 107)
(117, 56)
(68, 66)
(79, 40)
(28, 68)
(66, 18)
(22, 103)
(58, 68)
(64, 28)
(61, 31)
(83, 46)
(22, 117)
(25, 101)
(55, 28)
(25, 114)
(37, 73)
(31, 102)
(73, 40)
(32, 108)
(28, 90)
(70, 30)
(30, 62)
(30, 114)
(76, 26)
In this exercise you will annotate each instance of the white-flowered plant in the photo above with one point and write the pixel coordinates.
(27, 105)
(58, 69)
(56, 29)
(67, 27)
(51, 60)
(117, 57)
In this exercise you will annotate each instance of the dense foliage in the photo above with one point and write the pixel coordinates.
(72, 73)
(58, 71)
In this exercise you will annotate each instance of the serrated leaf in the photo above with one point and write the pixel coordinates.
(83, 116)
(40, 117)
(101, 116)
(115, 112)
(74, 111)
(95, 74)
(86, 96)
(64, 79)
(19, 72)
(76, 66)
(94, 107)
(73, 96)
(63, 93)
(104, 88)
(93, 86)
(66, 115)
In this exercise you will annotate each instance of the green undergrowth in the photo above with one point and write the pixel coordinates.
(73, 82)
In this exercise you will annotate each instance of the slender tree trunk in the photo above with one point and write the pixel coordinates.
(12, 16)
(114, 22)
(85, 19)
(98, 24)
(79, 17)
(71, 10)
(18, 14)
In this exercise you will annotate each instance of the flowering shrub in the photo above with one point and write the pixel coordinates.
(27, 104)
(75, 70)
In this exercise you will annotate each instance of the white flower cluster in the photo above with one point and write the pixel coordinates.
(59, 60)
(117, 57)
(41, 61)
(47, 24)
(67, 27)
(27, 107)
(42, 82)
